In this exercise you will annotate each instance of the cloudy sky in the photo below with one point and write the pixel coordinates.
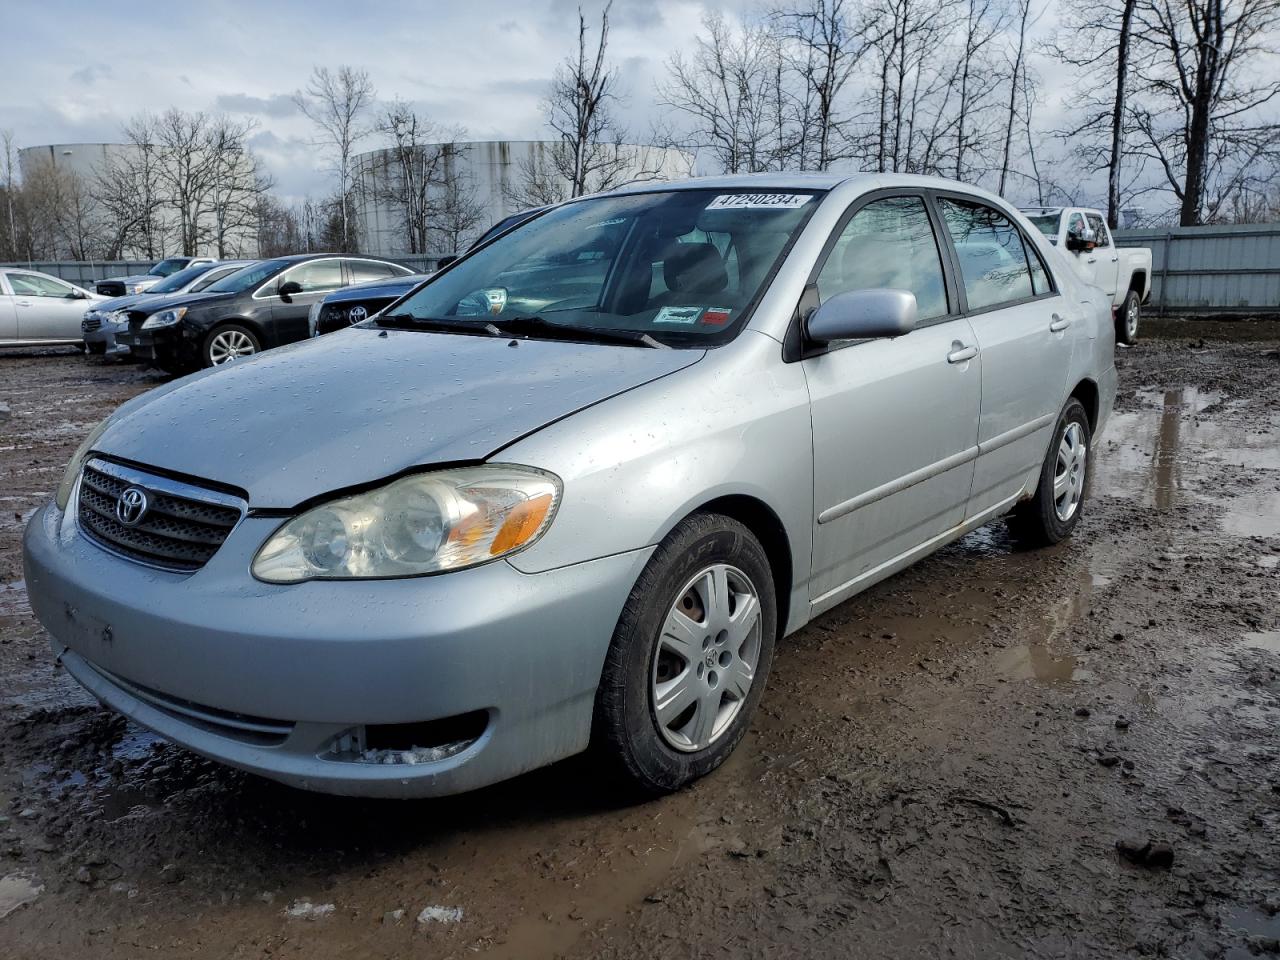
(82, 69)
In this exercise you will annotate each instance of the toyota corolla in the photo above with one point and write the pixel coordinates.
(571, 491)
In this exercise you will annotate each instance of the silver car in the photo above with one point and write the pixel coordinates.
(37, 310)
(571, 491)
(106, 318)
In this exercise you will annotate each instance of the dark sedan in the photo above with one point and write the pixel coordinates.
(359, 301)
(262, 306)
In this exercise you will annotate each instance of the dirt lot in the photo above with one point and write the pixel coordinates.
(943, 766)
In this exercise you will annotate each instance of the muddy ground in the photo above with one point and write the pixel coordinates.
(942, 766)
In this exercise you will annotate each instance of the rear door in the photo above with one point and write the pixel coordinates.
(895, 421)
(317, 278)
(1025, 331)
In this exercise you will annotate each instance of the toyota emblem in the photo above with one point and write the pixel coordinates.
(132, 506)
(356, 314)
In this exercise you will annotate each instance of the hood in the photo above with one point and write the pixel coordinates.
(123, 303)
(302, 421)
(392, 287)
(146, 304)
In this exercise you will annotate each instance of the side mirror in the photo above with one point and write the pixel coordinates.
(863, 315)
(77, 295)
(288, 289)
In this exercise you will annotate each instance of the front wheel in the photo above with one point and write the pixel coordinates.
(1053, 512)
(1127, 318)
(229, 342)
(689, 658)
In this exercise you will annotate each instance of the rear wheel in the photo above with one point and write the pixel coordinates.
(229, 342)
(1051, 515)
(1127, 318)
(689, 659)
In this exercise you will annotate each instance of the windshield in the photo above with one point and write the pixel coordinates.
(250, 276)
(683, 266)
(176, 281)
(1046, 223)
(166, 267)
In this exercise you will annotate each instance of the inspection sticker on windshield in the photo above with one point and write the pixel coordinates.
(716, 316)
(678, 315)
(759, 201)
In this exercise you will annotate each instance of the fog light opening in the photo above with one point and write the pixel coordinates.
(429, 741)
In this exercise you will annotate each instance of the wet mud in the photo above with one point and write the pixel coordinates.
(1070, 752)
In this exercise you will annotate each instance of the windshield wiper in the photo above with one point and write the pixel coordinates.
(407, 321)
(540, 327)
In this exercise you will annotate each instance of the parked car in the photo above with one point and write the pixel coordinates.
(37, 310)
(261, 306)
(465, 540)
(358, 302)
(109, 317)
(1123, 273)
(126, 286)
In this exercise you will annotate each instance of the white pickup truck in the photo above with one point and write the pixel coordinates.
(1124, 274)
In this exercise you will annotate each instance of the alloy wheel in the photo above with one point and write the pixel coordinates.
(1131, 318)
(1069, 472)
(230, 345)
(706, 658)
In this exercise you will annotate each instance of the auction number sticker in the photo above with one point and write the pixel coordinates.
(759, 201)
(678, 315)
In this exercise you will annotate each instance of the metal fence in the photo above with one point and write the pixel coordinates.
(1216, 270)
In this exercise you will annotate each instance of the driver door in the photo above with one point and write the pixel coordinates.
(895, 420)
(46, 308)
(317, 278)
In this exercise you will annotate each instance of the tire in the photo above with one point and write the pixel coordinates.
(655, 727)
(1047, 518)
(228, 342)
(1127, 319)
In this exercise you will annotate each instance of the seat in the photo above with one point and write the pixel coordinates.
(692, 272)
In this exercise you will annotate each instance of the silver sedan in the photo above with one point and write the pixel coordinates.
(37, 310)
(460, 540)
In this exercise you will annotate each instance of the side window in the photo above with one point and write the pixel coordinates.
(32, 285)
(1099, 226)
(1075, 226)
(362, 270)
(1040, 281)
(993, 261)
(888, 243)
(316, 276)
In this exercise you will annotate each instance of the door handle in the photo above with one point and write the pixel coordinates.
(1058, 324)
(960, 353)
(1114, 259)
(23, 303)
(1091, 260)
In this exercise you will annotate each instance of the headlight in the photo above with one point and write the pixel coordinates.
(165, 318)
(425, 523)
(73, 468)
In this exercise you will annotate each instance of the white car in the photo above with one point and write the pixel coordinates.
(1123, 273)
(37, 310)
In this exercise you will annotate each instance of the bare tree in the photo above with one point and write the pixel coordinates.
(337, 102)
(578, 107)
(8, 173)
(727, 91)
(460, 210)
(127, 187)
(1202, 89)
(407, 176)
(824, 46)
(1017, 69)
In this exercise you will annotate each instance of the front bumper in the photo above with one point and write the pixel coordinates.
(106, 335)
(325, 657)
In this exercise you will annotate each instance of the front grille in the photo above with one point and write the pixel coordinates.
(110, 288)
(90, 324)
(260, 731)
(181, 528)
